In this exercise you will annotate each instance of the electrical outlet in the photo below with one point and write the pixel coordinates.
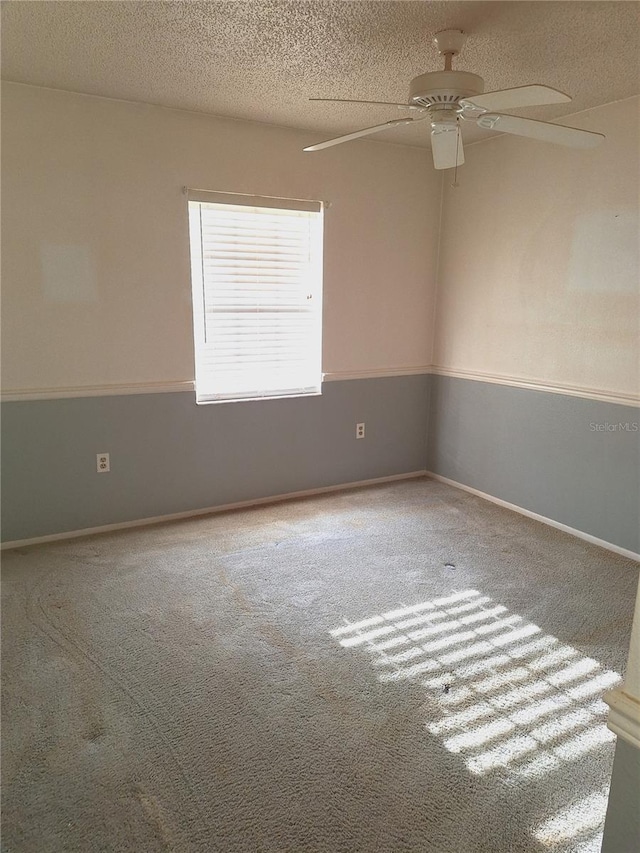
(359, 430)
(102, 463)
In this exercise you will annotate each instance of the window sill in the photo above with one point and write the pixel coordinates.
(258, 399)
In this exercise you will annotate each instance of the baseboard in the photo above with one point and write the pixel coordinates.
(624, 716)
(212, 510)
(177, 516)
(580, 534)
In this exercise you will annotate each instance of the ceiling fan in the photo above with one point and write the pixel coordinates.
(449, 97)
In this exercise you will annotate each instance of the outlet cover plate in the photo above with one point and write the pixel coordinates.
(103, 465)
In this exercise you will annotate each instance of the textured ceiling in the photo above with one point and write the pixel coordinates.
(263, 60)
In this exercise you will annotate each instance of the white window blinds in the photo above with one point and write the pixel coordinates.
(256, 270)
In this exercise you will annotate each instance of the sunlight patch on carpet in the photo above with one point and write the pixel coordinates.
(579, 818)
(502, 695)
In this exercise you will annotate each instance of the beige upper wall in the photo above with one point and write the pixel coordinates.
(538, 259)
(539, 275)
(95, 242)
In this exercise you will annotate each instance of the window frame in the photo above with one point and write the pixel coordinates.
(195, 198)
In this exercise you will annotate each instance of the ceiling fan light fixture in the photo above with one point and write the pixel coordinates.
(442, 121)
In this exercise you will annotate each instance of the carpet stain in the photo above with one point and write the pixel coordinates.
(156, 816)
(278, 640)
(74, 626)
(72, 642)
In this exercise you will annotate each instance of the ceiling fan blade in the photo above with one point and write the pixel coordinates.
(543, 130)
(446, 147)
(511, 99)
(357, 133)
(376, 103)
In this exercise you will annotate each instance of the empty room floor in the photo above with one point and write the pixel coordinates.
(397, 668)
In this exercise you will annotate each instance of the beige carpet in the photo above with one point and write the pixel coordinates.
(400, 668)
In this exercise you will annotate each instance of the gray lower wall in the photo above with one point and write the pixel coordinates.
(541, 451)
(535, 449)
(622, 825)
(170, 455)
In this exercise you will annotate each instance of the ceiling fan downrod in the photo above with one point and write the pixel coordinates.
(442, 90)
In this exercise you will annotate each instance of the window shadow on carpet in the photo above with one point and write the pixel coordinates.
(504, 696)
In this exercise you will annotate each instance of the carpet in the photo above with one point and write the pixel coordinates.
(404, 667)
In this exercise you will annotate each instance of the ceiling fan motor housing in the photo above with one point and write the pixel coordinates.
(442, 90)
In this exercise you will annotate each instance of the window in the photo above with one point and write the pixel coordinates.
(256, 272)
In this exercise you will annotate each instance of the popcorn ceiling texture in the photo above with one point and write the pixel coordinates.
(263, 60)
